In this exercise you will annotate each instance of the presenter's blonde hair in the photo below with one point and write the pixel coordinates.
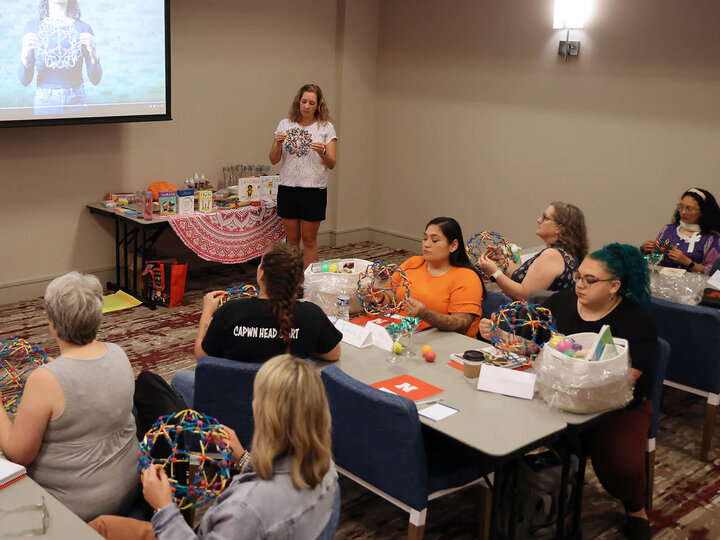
(292, 419)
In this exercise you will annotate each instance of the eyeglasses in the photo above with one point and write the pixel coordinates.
(681, 207)
(545, 218)
(26, 509)
(588, 281)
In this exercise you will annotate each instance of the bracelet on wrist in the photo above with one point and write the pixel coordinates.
(240, 463)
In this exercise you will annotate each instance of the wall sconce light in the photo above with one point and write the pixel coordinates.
(570, 14)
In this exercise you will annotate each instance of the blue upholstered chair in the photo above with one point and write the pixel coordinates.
(379, 442)
(224, 389)
(693, 333)
(493, 300)
(661, 363)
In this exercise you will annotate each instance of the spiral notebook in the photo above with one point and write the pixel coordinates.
(10, 472)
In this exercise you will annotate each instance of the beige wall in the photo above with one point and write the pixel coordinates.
(460, 108)
(477, 117)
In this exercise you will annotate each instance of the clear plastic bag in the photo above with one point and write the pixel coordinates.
(578, 386)
(683, 289)
(322, 288)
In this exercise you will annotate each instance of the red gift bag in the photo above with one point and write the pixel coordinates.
(164, 283)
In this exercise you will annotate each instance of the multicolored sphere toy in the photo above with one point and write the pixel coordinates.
(663, 247)
(169, 433)
(386, 278)
(238, 291)
(18, 358)
(489, 243)
(521, 328)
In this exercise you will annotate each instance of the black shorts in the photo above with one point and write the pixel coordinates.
(307, 204)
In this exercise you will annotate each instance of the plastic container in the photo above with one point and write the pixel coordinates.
(576, 385)
(323, 288)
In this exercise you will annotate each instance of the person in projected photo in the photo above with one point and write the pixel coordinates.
(56, 45)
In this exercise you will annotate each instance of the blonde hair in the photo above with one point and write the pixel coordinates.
(292, 419)
(322, 113)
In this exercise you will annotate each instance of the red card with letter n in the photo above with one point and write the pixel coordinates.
(408, 386)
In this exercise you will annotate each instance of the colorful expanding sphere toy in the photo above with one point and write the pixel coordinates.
(663, 247)
(521, 328)
(238, 291)
(491, 244)
(297, 142)
(168, 434)
(378, 277)
(17, 359)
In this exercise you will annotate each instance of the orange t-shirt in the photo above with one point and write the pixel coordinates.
(459, 290)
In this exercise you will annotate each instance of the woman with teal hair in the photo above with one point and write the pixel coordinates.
(612, 287)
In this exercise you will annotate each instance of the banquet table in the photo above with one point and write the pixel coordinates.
(227, 236)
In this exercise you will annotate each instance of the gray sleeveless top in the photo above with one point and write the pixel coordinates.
(88, 457)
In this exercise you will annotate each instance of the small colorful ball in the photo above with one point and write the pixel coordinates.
(557, 338)
(563, 345)
(429, 356)
(325, 267)
(333, 268)
(397, 348)
(426, 348)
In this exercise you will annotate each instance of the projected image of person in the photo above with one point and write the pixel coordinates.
(56, 45)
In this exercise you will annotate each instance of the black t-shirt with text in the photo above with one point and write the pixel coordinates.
(246, 330)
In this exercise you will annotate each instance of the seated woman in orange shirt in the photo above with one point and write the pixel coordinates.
(445, 290)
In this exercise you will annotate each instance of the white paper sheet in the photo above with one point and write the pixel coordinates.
(437, 412)
(714, 280)
(506, 381)
(380, 336)
(353, 334)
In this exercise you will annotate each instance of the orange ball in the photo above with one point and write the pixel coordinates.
(426, 348)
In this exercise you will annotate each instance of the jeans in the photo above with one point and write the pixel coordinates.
(183, 383)
(60, 100)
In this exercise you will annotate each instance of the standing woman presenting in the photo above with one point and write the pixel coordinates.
(306, 143)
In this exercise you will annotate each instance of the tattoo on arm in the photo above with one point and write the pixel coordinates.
(455, 322)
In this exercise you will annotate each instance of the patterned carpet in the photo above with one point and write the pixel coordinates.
(687, 502)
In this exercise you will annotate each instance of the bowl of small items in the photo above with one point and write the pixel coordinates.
(574, 374)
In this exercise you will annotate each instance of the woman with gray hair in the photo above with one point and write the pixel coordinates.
(74, 428)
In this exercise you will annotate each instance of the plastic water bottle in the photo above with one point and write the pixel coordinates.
(343, 306)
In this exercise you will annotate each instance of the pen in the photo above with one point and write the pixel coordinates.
(430, 401)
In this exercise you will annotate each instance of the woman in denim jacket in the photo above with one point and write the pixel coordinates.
(286, 488)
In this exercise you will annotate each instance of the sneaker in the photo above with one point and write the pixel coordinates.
(636, 528)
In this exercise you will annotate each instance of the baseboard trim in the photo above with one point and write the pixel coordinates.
(28, 289)
(33, 288)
